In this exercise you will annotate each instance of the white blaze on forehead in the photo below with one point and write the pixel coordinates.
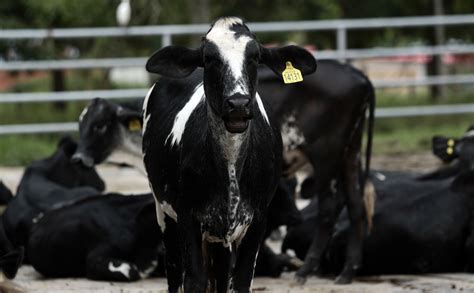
(231, 49)
(183, 115)
(83, 113)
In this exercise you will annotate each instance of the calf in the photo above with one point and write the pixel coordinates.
(45, 184)
(109, 237)
(110, 132)
(322, 123)
(213, 154)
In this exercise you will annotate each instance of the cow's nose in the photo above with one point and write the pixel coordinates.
(238, 104)
(80, 158)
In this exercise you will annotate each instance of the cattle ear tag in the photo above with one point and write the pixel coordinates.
(134, 125)
(450, 149)
(291, 74)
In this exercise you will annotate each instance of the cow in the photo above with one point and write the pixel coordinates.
(45, 184)
(435, 233)
(110, 132)
(5, 194)
(322, 123)
(110, 237)
(212, 153)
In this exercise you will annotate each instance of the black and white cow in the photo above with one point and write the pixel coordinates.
(322, 122)
(110, 132)
(110, 237)
(45, 184)
(213, 154)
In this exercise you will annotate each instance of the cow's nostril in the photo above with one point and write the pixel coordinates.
(238, 103)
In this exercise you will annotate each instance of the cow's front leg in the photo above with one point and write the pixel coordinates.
(195, 275)
(247, 257)
(174, 262)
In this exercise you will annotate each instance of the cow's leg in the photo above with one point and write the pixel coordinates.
(247, 257)
(174, 263)
(356, 211)
(328, 210)
(221, 264)
(190, 238)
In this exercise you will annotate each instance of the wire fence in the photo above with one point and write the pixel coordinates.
(340, 27)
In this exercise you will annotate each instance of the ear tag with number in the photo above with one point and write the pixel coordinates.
(291, 74)
(134, 125)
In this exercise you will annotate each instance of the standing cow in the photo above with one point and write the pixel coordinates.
(213, 154)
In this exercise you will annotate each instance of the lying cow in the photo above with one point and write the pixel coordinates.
(108, 237)
(213, 154)
(46, 184)
(435, 232)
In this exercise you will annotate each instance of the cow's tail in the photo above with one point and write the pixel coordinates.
(369, 190)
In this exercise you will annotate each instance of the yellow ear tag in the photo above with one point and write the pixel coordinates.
(449, 151)
(291, 74)
(134, 125)
(451, 142)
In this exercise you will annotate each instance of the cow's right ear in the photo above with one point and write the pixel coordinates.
(174, 61)
(445, 148)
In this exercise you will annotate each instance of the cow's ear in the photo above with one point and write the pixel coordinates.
(132, 120)
(445, 148)
(174, 61)
(277, 59)
(68, 145)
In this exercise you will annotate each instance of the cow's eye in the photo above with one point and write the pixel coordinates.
(101, 129)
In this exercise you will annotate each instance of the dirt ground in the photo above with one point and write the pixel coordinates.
(126, 180)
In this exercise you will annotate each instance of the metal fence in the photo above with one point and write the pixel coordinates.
(341, 28)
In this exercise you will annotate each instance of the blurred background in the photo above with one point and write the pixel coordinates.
(57, 54)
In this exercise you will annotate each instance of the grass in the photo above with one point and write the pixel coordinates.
(20, 150)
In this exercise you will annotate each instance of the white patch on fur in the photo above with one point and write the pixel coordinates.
(470, 133)
(160, 215)
(262, 108)
(83, 113)
(291, 135)
(232, 50)
(169, 211)
(183, 115)
(123, 268)
(146, 117)
(380, 176)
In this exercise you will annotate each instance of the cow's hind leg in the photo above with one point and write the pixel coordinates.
(357, 216)
(174, 263)
(329, 208)
(247, 257)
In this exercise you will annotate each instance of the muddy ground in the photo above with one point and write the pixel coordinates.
(127, 180)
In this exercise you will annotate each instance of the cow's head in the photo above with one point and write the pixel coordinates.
(461, 152)
(101, 127)
(229, 54)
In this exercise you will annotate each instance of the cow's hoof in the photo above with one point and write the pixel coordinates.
(300, 280)
(343, 280)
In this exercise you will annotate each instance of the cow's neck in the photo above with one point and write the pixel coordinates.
(129, 150)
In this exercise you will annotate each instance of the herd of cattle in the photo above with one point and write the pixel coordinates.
(220, 145)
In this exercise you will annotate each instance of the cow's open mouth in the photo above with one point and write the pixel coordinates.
(236, 125)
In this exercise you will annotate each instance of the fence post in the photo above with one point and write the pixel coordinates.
(166, 40)
(342, 42)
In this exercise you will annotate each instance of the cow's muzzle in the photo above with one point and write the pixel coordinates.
(238, 114)
(83, 159)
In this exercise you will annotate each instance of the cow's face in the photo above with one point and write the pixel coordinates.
(99, 128)
(229, 54)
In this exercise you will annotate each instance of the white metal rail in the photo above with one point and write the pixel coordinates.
(168, 31)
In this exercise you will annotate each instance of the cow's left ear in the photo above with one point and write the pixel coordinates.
(174, 61)
(132, 120)
(276, 59)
